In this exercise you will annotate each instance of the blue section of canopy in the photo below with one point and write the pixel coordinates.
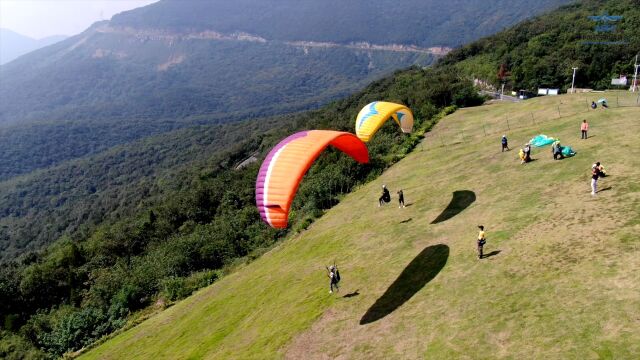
(541, 140)
(372, 111)
(567, 151)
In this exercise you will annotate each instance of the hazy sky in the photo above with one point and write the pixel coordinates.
(41, 18)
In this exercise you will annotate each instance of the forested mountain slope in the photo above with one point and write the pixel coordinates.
(84, 192)
(155, 220)
(541, 52)
(409, 22)
(178, 63)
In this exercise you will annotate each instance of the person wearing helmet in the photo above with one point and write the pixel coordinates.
(505, 143)
(334, 278)
(385, 198)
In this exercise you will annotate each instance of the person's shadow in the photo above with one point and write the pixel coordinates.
(461, 200)
(352, 294)
(422, 269)
(493, 253)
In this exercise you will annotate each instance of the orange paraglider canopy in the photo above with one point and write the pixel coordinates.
(286, 164)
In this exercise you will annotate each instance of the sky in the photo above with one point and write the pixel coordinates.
(42, 18)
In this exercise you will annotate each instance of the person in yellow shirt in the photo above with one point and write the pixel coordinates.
(481, 240)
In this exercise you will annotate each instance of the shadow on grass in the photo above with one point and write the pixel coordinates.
(353, 294)
(405, 221)
(493, 253)
(422, 269)
(605, 189)
(460, 201)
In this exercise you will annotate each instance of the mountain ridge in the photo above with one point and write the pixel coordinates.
(14, 44)
(169, 36)
(176, 64)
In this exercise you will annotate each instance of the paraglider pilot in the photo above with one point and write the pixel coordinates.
(556, 150)
(505, 143)
(527, 152)
(386, 197)
(334, 278)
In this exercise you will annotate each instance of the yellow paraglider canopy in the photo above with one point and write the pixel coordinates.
(374, 115)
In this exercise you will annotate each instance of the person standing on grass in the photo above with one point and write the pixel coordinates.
(481, 241)
(584, 127)
(400, 199)
(505, 143)
(334, 278)
(595, 174)
(527, 152)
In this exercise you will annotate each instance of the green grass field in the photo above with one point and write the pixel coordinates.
(563, 281)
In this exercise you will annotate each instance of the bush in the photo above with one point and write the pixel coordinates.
(176, 288)
(14, 347)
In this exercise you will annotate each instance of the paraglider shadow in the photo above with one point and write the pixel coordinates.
(460, 201)
(422, 269)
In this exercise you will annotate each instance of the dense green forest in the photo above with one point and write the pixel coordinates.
(104, 88)
(156, 220)
(38, 208)
(542, 52)
(90, 107)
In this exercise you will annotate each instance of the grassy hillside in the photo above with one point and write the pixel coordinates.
(561, 281)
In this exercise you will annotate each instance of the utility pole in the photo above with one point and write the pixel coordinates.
(635, 75)
(573, 80)
(502, 92)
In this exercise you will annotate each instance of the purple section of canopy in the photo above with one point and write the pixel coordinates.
(264, 168)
